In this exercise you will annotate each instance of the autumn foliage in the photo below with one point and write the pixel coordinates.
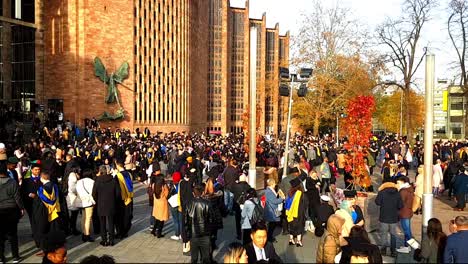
(358, 128)
(336, 80)
(389, 107)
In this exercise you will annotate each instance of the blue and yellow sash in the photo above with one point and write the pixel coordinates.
(292, 206)
(50, 201)
(126, 186)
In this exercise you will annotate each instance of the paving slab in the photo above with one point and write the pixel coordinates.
(142, 247)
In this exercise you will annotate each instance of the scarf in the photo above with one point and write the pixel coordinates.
(292, 206)
(126, 187)
(50, 201)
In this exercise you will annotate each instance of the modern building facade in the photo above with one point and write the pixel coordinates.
(456, 109)
(440, 108)
(188, 62)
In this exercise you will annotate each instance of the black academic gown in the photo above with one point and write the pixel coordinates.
(40, 221)
(124, 213)
(29, 186)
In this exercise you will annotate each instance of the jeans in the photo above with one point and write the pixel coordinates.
(385, 229)
(86, 220)
(405, 224)
(176, 220)
(200, 246)
(435, 191)
(228, 200)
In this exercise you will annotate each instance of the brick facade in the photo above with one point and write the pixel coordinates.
(75, 32)
(189, 62)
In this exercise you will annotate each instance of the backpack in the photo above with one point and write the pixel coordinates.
(257, 214)
(241, 199)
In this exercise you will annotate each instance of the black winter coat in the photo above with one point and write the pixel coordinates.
(106, 194)
(390, 202)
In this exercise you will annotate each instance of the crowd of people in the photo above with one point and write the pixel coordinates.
(198, 180)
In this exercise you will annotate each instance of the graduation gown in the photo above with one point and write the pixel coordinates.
(29, 186)
(40, 221)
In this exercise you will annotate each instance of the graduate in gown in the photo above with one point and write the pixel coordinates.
(45, 211)
(124, 214)
(29, 189)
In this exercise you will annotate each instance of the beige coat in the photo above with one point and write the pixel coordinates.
(160, 206)
(329, 245)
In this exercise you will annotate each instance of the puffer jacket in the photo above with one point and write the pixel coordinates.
(199, 217)
(390, 203)
(9, 194)
(329, 245)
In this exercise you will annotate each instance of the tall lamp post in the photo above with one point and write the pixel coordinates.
(253, 109)
(428, 148)
(295, 83)
(339, 114)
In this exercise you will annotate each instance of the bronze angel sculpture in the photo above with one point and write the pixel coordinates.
(111, 80)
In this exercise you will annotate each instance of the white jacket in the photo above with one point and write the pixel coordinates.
(84, 188)
(73, 201)
(437, 175)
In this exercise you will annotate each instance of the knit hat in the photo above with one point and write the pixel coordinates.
(176, 176)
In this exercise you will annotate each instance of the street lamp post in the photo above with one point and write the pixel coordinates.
(428, 148)
(288, 128)
(304, 74)
(253, 109)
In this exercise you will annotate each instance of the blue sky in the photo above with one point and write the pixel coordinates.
(370, 12)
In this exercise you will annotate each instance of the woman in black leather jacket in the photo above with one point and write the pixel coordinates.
(217, 203)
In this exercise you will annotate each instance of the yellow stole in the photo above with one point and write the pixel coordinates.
(293, 212)
(51, 202)
(127, 195)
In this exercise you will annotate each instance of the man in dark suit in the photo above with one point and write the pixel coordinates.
(260, 250)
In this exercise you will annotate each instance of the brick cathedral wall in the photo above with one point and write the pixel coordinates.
(75, 32)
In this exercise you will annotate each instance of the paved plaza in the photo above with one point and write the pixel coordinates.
(142, 247)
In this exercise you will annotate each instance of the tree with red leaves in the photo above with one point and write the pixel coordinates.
(358, 128)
